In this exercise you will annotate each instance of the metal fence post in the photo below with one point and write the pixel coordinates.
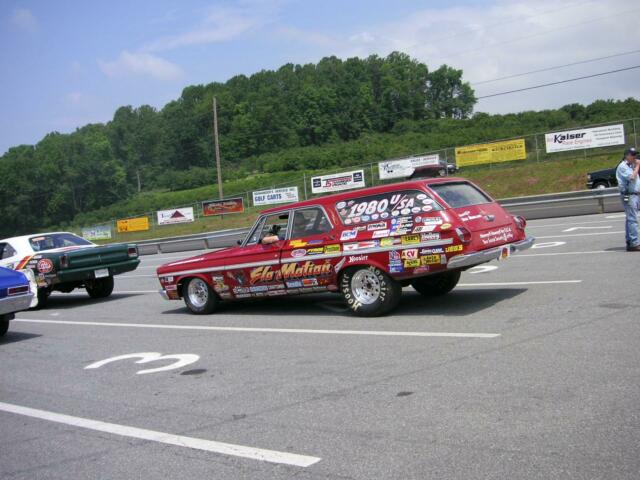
(373, 180)
(304, 183)
(635, 135)
(537, 149)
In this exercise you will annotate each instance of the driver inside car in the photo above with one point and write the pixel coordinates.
(300, 225)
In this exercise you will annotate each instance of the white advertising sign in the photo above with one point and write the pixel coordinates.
(405, 166)
(275, 195)
(337, 182)
(177, 215)
(585, 138)
(99, 232)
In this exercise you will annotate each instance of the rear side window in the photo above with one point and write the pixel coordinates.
(6, 251)
(385, 205)
(460, 194)
(310, 221)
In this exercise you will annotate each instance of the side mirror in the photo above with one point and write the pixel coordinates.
(239, 242)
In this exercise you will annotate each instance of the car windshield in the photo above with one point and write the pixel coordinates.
(460, 194)
(52, 241)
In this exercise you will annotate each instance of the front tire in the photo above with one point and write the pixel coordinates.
(4, 325)
(199, 297)
(437, 284)
(100, 287)
(369, 292)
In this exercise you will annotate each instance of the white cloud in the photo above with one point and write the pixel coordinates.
(23, 19)
(221, 24)
(505, 38)
(141, 64)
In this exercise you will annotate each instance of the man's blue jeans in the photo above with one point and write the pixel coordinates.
(631, 223)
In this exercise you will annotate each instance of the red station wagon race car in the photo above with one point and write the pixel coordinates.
(365, 244)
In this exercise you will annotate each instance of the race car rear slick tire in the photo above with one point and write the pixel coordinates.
(100, 287)
(369, 291)
(438, 284)
(4, 325)
(199, 297)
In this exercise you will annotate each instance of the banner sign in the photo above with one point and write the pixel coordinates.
(491, 153)
(99, 232)
(585, 138)
(222, 207)
(176, 215)
(337, 182)
(402, 168)
(138, 224)
(275, 195)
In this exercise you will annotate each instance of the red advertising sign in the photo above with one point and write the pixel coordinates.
(222, 207)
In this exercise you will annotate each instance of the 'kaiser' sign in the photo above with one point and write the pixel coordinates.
(585, 138)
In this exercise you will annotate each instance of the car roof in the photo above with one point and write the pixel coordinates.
(23, 238)
(336, 197)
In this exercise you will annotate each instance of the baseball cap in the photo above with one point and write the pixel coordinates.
(630, 151)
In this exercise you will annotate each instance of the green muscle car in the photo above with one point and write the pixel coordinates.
(63, 261)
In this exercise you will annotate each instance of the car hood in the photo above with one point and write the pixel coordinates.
(10, 278)
(212, 259)
(605, 171)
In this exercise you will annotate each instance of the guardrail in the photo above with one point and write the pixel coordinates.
(584, 202)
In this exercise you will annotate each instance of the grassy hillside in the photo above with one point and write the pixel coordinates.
(508, 180)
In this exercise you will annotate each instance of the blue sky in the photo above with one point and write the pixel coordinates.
(69, 63)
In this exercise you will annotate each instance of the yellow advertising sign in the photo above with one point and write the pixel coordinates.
(133, 224)
(491, 153)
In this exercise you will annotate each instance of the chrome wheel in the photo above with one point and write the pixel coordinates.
(198, 292)
(365, 286)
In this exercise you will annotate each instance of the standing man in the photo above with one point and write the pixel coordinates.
(629, 185)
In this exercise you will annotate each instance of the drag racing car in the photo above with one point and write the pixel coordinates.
(16, 294)
(365, 244)
(63, 261)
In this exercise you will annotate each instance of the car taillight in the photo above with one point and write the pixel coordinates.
(521, 223)
(464, 235)
(21, 290)
(132, 251)
(64, 261)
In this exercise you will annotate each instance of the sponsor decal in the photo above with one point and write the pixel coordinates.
(411, 253)
(503, 234)
(294, 270)
(361, 245)
(341, 205)
(277, 286)
(294, 284)
(454, 248)
(410, 239)
(387, 242)
(427, 237)
(366, 218)
(44, 265)
(310, 282)
(424, 229)
(466, 216)
(421, 269)
(445, 226)
(297, 243)
(430, 260)
(430, 251)
(331, 249)
(411, 263)
(238, 277)
(380, 234)
(258, 288)
(432, 220)
(348, 235)
(315, 251)
(377, 226)
(395, 262)
(299, 252)
(396, 269)
(240, 290)
(275, 293)
(226, 295)
(340, 264)
(399, 231)
(243, 295)
(358, 258)
(314, 242)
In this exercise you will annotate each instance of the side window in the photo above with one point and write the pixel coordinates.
(269, 226)
(459, 195)
(310, 221)
(6, 251)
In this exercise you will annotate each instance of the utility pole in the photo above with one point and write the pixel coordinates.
(215, 138)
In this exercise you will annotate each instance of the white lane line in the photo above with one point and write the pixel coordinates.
(506, 284)
(581, 234)
(379, 333)
(124, 292)
(617, 215)
(533, 225)
(263, 455)
(575, 229)
(562, 253)
(137, 276)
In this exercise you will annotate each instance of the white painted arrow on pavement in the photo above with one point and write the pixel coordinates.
(573, 229)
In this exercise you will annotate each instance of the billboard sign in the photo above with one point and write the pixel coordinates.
(404, 167)
(337, 182)
(222, 207)
(585, 138)
(98, 232)
(275, 195)
(137, 224)
(175, 215)
(495, 152)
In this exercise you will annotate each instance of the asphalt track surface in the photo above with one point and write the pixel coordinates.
(544, 384)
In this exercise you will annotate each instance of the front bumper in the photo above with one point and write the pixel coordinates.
(484, 256)
(15, 304)
(163, 294)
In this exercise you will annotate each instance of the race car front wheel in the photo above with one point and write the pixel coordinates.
(100, 287)
(437, 284)
(199, 297)
(369, 292)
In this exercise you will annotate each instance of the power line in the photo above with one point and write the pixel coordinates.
(559, 82)
(547, 69)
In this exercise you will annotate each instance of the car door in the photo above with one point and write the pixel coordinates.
(254, 269)
(311, 253)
